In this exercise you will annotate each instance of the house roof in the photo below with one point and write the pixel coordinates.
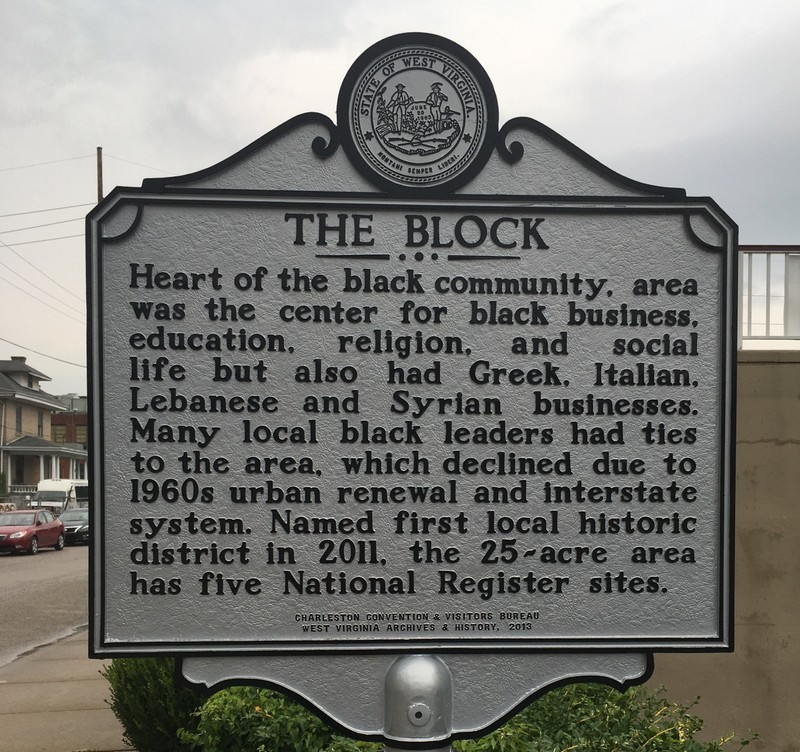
(34, 444)
(10, 388)
(18, 365)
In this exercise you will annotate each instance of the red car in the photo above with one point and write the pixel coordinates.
(29, 530)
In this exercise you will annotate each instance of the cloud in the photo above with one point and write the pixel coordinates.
(698, 95)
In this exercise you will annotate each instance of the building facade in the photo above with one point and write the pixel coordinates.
(27, 452)
(755, 687)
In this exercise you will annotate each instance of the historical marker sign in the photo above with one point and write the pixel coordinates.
(442, 389)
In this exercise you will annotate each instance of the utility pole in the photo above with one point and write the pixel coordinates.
(99, 174)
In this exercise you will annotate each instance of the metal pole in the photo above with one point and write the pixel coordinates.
(99, 174)
(418, 700)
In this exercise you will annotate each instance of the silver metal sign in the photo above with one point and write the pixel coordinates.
(443, 390)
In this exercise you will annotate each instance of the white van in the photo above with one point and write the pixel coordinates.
(59, 495)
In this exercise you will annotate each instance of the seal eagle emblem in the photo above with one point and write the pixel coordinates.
(417, 112)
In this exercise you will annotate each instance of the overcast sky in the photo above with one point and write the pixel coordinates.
(698, 94)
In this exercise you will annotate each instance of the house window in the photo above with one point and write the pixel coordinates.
(40, 424)
(59, 434)
(18, 422)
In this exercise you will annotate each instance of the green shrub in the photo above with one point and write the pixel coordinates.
(252, 719)
(160, 715)
(150, 703)
(576, 718)
(597, 718)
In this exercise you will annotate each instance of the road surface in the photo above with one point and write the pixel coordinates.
(42, 598)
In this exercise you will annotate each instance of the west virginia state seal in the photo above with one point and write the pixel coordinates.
(417, 112)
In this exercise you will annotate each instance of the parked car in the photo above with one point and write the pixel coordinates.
(29, 530)
(76, 525)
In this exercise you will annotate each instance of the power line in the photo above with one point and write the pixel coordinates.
(138, 164)
(44, 355)
(39, 211)
(36, 287)
(46, 224)
(43, 302)
(41, 164)
(83, 156)
(44, 274)
(47, 240)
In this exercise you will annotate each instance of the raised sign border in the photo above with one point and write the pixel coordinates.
(687, 207)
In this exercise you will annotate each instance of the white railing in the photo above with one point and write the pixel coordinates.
(769, 313)
(24, 490)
